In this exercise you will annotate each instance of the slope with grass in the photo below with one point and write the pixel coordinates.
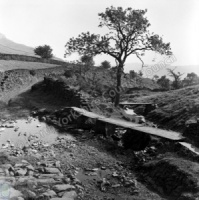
(8, 46)
(174, 107)
(14, 64)
(98, 82)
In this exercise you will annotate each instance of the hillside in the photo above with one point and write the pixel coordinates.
(10, 47)
(100, 81)
(174, 107)
(15, 64)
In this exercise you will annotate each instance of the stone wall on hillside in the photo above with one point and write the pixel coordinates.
(11, 79)
(30, 59)
(17, 79)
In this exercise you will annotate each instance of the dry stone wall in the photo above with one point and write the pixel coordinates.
(29, 59)
(61, 90)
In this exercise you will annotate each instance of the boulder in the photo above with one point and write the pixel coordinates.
(51, 170)
(70, 194)
(49, 194)
(20, 172)
(63, 187)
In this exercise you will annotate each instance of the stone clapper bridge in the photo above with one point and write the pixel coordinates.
(104, 124)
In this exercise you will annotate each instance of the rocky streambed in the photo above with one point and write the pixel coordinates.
(37, 161)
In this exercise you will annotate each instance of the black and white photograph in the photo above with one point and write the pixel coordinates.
(99, 100)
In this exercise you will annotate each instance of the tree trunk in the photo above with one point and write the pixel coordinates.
(118, 88)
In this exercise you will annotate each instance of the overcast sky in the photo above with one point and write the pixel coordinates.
(53, 22)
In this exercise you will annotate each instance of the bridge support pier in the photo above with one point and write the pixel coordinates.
(100, 128)
(135, 140)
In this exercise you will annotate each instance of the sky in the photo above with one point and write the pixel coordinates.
(54, 22)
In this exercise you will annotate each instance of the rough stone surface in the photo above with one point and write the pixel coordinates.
(63, 187)
(52, 170)
(70, 194)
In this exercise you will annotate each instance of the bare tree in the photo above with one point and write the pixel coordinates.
(176, 76)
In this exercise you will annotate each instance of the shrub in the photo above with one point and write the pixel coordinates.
(32, 72)
(44, 51)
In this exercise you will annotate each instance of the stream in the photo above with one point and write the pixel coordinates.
(20, 132)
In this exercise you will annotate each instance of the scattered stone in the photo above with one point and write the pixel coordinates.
(20, 198)
(66, 180)
(60, 176)
(52, 170)
(29, 193)
(30, 167)
(47, 181)
(49, 194)
(4, 146)
(13, 193)
(11, 173)
(7, 166)
(57, 164)
(21, 172)
(63, 187)
(2, 129)
(76, 181)
(116, 185)
(9, 125)
(30, 181)
(70, 194)
(115, 174)
(30, 173)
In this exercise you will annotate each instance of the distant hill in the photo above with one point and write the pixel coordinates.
(9, 47)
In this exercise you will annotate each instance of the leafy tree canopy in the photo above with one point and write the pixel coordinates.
(87, 60)
(128, 34)
(44, 51)
(106, 64)
(164, 82)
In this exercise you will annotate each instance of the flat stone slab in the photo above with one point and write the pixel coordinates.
(51, 170)
(171, 135)
(57, 176)
(63, 187)
(49, 193)
(70, 194)
(46, 181)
